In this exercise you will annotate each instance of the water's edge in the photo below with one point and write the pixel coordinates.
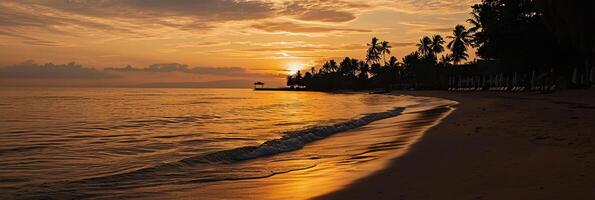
(182, 170)
(315, 181)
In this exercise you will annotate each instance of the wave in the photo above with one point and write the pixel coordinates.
(291, 141)
(185, 170)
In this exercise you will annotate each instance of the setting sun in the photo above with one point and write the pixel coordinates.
(297, 99)
(294, 67)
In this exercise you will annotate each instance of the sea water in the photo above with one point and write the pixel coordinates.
(163, 143)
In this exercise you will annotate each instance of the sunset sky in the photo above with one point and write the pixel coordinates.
(210, 40)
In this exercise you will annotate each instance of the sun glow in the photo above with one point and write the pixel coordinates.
(294, 67)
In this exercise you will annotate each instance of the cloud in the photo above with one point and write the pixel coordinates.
(234, 83)
(291, 27)
(114, 19)
(31, 40)
(303, 47)
(326, 16)
(323, 11)
(403, 44)
(146, 18)
(31, 70)
(439, 30)
(210, 32)
(182, 68)
(204, 10)
(429, 6)
(428, 27)
(33, 21)
(50, 22)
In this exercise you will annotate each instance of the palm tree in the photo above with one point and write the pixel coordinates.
(475, 21)
(409, 64)
(334, 66)
(446, 59)
(373, 54)
(412, 59)
(392, 63)
(458, 45)
(425, 46)
(364, 69)
(346, 67)
(298, 78)
(436, 45)
(476, 30)
(376, 69)
(385, 49)
(392, 69)
(354, 65)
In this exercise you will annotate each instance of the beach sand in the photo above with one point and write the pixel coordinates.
(495, 146)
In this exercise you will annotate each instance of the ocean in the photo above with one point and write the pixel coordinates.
(106, 143)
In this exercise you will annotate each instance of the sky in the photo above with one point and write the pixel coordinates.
(225, 42)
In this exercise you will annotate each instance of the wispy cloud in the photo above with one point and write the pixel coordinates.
(403, 44)
(31, 70)
(176, 67)
(427, 7)
(247, 33)
(297, 28)
(307, 48)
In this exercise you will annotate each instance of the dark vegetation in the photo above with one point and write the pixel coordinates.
(528, 43)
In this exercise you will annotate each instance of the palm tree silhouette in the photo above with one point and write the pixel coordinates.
(476, 31)
(354, 66)
(346, 67)
(458, 45)
(475, 21)
(392, 63)
(364, 69)
(385, 49)
(436, 46)
(374, 49)
(331, 66)
(391, 72)
(425, 46)
(446, 59)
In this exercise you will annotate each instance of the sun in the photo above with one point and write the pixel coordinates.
(294, 67)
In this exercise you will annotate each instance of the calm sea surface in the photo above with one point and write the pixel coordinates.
(106, 143)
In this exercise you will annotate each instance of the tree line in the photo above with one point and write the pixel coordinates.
(511, 38)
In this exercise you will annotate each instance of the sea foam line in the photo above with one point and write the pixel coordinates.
(291, 141)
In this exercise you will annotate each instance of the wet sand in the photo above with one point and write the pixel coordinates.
(333, 162)
(495, 146)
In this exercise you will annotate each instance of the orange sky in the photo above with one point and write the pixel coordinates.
(226, 39)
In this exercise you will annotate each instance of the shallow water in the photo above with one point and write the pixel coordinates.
(216, 143)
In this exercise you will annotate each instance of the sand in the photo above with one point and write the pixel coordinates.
(495, 146)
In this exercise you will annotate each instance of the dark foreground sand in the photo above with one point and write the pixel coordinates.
(495, 146)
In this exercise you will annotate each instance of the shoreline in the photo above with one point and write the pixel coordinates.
(494, 146)
(348, 161)
(320, 166)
